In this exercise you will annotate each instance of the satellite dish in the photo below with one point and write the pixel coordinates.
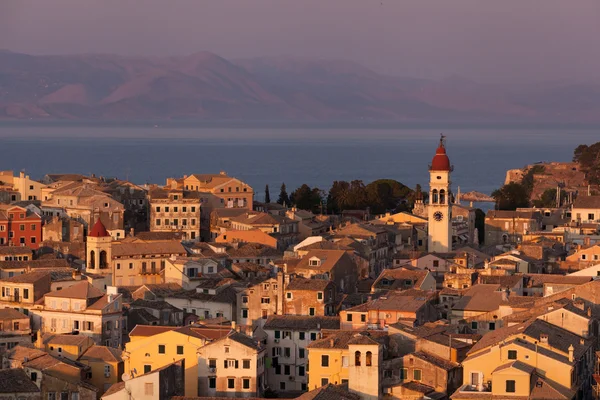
(125, 377)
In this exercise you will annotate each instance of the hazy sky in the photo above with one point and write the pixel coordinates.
(485, 40)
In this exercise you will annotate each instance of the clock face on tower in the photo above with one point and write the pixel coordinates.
(438, 216)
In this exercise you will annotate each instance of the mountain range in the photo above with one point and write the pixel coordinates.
(205, 86)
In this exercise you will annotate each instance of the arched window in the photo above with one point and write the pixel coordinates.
(442, 196)
(368, 362)
(92, 262)
(102, 263)
(357, 359)
(434, 196)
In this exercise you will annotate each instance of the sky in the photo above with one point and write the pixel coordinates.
(483, 40)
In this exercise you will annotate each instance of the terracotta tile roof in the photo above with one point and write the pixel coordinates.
(160, 193)
(102, 353)
(15, 380)
(115, 388)
(253, 250)
(299, 283)
(12, 250)
(538, 280)
(434, 360)
(546, 389)
(150, 330)
(329, 392)
(517, 365)
(142, 247)
(341, 339)
(29, 277)
(154, 304)
(397, 300)
(33, 264)
(328, 258)
(67, 340)
(242, 339)
(151, 236)
(397, 278)
(587, 202)
(81, 290)
(301, 322)
(10, 313)
(136, 313)
(20, 352)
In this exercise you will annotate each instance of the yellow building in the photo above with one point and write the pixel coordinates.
(153, 347)
(329, 358)
(511, 361)
(106, 365)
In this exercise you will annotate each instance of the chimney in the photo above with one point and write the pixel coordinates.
(233, 325)
(571, 352)
(76, 275)
(589, 312)
(132, 232)
(544, 338)
(331, 342)
(39, 343)
(582, 341)
(586, 241)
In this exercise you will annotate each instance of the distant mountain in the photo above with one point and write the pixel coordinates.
(208, 87)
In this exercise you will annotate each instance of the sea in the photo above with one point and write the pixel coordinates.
(271, 156)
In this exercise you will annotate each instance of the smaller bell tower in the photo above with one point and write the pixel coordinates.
(439, 209)
(98, 250)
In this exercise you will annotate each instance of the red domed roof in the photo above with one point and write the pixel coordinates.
(440, 161)
(98, 230)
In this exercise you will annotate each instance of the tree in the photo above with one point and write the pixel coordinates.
(283, 196)
(511, 196)
(548, 198)
(338, 198)
(306, 198)
(387, 194)
(267, 195)
(480, 225)
(588, 158)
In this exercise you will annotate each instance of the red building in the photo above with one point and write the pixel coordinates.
(20, 227)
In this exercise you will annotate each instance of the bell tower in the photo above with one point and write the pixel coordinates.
(98, 250)
(439, 209)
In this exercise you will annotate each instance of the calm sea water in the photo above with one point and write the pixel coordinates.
(294, 156)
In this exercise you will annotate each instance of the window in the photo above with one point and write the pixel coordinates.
(158, 222)
(245, 383)
(417, 375)
(179, 349)
(22, 227)
(130, 265)
(492, 326)
(147, 368)
(301, 335)
(34, 376)
(301, 353)
(265, 300)
(403, 373)
(212, 382)
(25, 293)
(313, 336)
(244, 313)
(512, 354)
(324, 361)
(161, 349)
(33, 239)
(287, 352)
(510, 386)
(231, 383)
(344, 361)
(436, 263)
(311, 311)
(363, 318)
(320, 296)
(368, 361)
(107, 370)
(288, 295)
(281, 385)
(474, 325)
(349, 317)
(591, 217)
(51, 396)
(286, 370)
(324, 381)
(246, 364)
(357, 358)
(149, 389)
(301, 370)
